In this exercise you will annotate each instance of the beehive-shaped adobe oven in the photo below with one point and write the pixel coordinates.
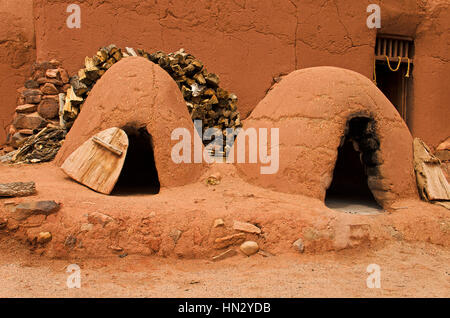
(142, 99)
(317, 110)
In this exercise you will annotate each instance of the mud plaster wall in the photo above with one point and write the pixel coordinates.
(17, 53)
(248, 42)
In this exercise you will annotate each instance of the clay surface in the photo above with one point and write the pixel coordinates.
(311, 108)
(17, 53)
(248, 43)
(179, 222)
(139, 93)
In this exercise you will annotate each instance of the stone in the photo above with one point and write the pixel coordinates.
(246, 227)
(218, 222)
(63, 75)
(86, 227)
(116, 248)
(37, 75)
(214, 179)
(27, 108)
(49, 89)
(22, 211)
(99, 218)
(226, 241)
(48, 108)
(44, 66)
(53, 81)
(249, 248)
(70, 241)
(31, 84)
(175, 235)
(224, 255)
(264, 253)
(17, 139)
(52, 73)
(299, 246)
(29, 121)
(44, 237)
(32, 96)
(17, 189)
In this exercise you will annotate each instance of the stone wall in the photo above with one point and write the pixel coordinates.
(17, 53)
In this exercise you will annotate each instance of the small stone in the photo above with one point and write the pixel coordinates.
(32, 84)
(32, 96)
(53, 81)
(224, 255)
(22, 211)
(27, 108)
(218, 222)
(226, 241)
(246, 227)
(17, 140)
(86, 227)
(299, 246)
(70, 241)
(48, 108)
(52, 73)
(49, 89)
(175, 235)
(116, 248)
(30, 121)
(264, 253)
(63, 75)
(99, 218)
(214, 179)
(44, 237)
(249, 248)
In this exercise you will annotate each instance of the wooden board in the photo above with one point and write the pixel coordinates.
(98, 162)
(432, 184)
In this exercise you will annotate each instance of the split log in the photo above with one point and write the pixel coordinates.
(17, 189)
(431, 182)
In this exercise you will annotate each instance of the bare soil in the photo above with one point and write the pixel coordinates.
(410, 242)
(407, 270)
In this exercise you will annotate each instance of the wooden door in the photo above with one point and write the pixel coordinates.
(98, 162)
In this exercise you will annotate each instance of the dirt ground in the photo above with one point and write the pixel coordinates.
(407, 270)
(410, 242)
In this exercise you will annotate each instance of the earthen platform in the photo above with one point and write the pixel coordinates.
(178, 222)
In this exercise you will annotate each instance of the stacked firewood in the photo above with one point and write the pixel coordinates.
(38, 102)
(51, 99)
(82, 83)
(205, 99)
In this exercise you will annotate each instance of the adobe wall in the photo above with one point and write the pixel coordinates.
(17, 53)
(249, 42)
(246, 42)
